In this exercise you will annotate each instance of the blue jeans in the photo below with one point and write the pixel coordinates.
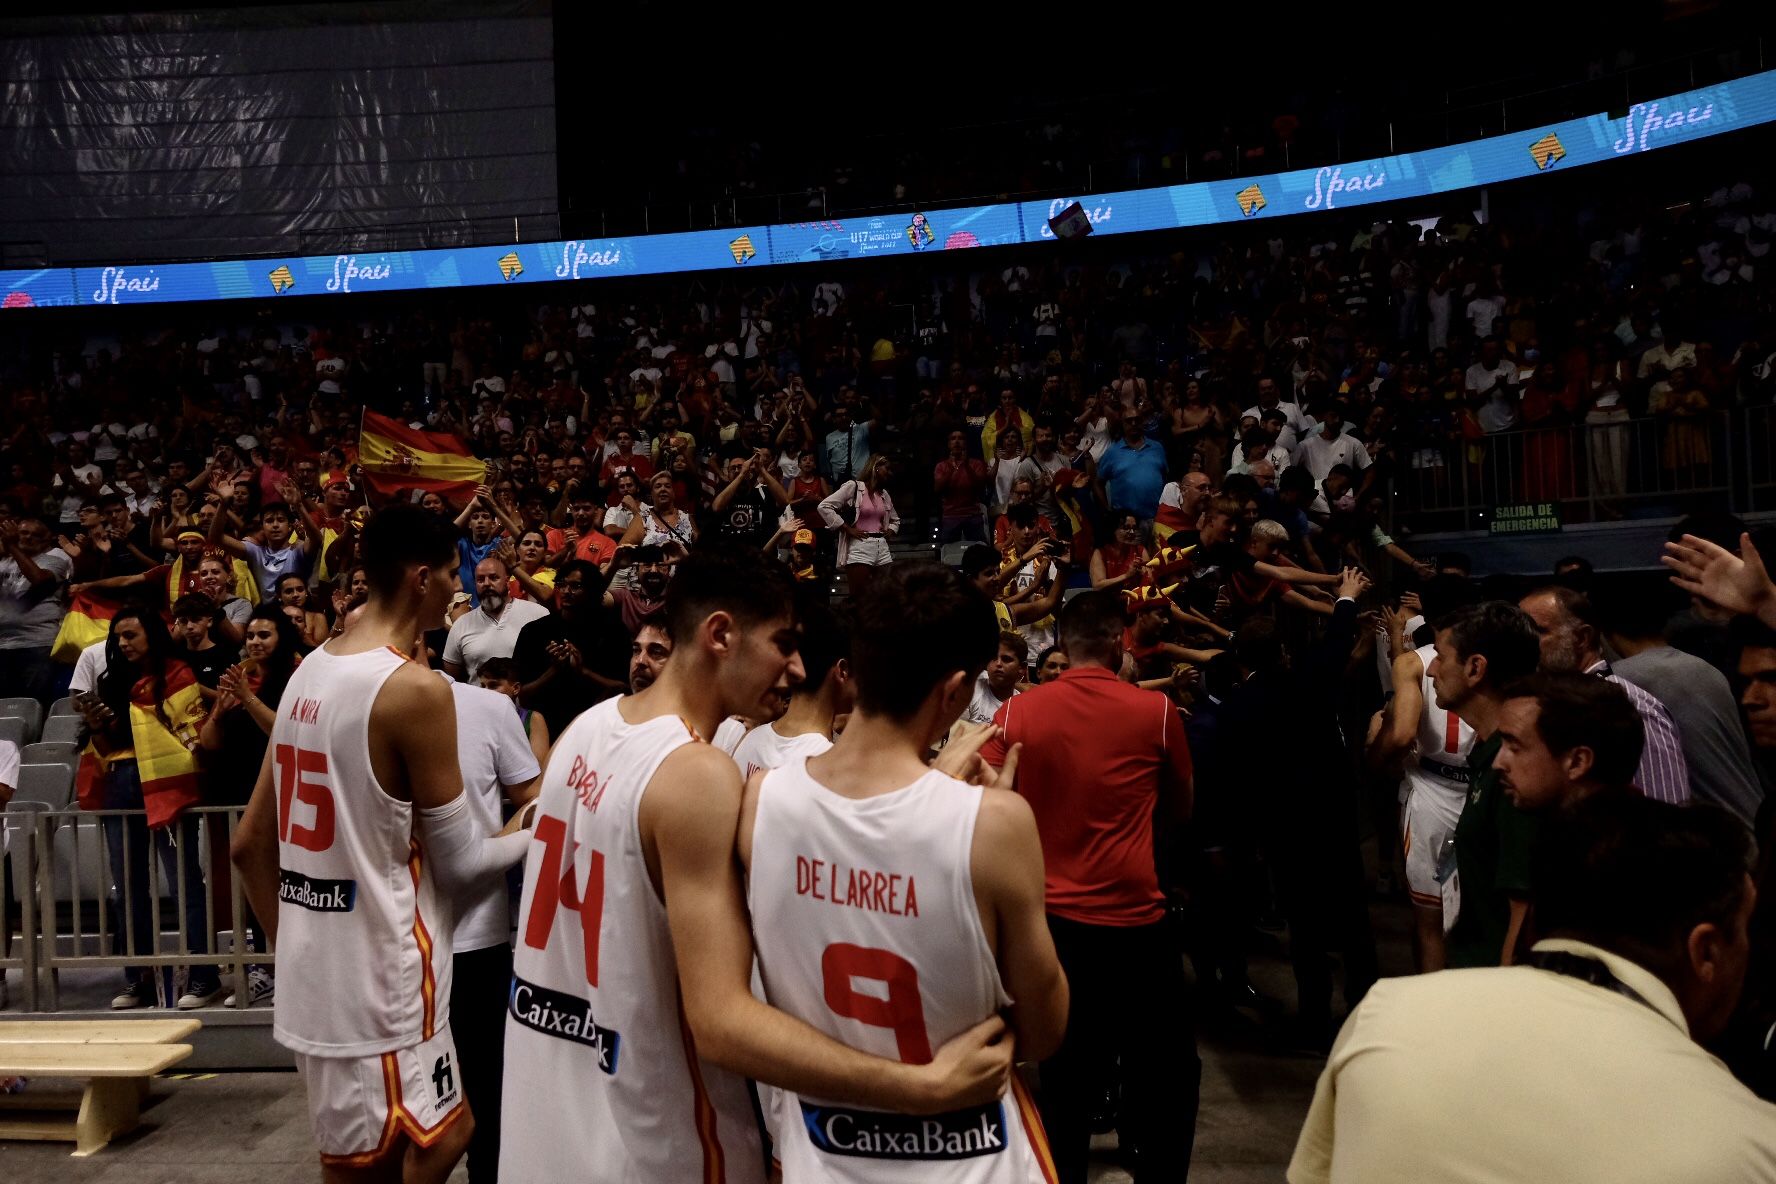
(126, 843)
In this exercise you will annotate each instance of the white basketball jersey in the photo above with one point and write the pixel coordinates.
(363, 938)
(728, 734)
(867, 929)
(1441, 762)
(603, 1081)
(765, 748)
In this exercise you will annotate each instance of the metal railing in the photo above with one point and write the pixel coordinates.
(73, 911)
(1594, 471)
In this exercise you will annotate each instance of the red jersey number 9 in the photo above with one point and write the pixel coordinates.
(301, 776)
(901, 1012)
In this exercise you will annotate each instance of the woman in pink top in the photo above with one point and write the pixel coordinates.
(863, 542)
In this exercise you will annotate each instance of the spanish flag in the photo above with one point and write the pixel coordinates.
(163, 734)
(88, 620)
(396, 458)
(1169, 521)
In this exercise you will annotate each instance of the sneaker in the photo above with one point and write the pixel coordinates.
(199, 995)
(138, 994)
(261, 986)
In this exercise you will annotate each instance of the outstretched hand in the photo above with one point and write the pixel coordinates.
(1735, 583)
(1353, 583)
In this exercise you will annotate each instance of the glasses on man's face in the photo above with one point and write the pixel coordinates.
(572, 586)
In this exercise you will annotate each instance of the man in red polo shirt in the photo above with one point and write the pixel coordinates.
(1099, 757)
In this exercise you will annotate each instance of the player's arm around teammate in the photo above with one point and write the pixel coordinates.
(689, 818)
(1009, 888)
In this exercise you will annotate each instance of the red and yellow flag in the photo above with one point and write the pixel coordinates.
(163, 738)
(396, 458)
(88, 620)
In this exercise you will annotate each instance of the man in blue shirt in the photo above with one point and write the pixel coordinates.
(1135, 469)
(847, 448)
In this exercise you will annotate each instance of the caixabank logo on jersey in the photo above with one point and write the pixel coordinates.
(320, 896)
(565, 1017)
(871, 1134)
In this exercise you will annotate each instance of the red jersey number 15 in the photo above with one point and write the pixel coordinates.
(301, 777)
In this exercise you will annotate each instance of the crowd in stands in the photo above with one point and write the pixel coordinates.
(1205, 440)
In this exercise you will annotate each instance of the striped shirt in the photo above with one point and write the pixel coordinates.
(1664, 775)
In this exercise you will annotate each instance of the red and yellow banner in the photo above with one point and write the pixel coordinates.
(395, 458)
(88, 620)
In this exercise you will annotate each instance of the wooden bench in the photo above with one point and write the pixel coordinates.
(116, 1058)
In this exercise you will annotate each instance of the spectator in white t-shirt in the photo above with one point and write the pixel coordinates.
(490, 630)
(1490, 372)
(1484, 311)
(999, 681)
(1330, 446)
(498, 766)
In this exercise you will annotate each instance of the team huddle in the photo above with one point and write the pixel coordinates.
(823, 953)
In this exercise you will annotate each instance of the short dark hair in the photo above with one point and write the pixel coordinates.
(825, 634)
(1259, 644)
(503, 669)
(1296, 479)
(1457, 559)
(1584, 711)
(579, 567)
(1498, 631)
(1021, 514)
(402, 536)
(1017, 643)
(722, 577)
(1580, 575)
(914, 626)
(1091, 626)
(1638, 609)
(1443, 594)
(1749, 633)
(277, 508)
(194, 606)
(1634, 876)
(978, 558)
(1239, 487)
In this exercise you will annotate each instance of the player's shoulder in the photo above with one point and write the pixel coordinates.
(1003, 813)
(1409, 663)
(699, 766)
(411, 685)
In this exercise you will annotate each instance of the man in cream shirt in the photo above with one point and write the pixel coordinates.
(1584, 1065)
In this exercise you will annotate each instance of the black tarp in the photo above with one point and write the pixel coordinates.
(275, 131)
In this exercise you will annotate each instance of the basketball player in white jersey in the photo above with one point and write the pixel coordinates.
(357, 835)
(895, 906)
(632, 1025)
(806, 727)
(1433, 744)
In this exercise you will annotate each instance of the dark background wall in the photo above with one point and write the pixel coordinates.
(275, 130)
